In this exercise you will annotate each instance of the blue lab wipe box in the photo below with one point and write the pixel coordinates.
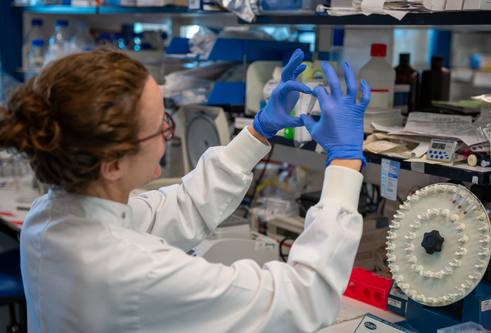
(371, 323)
(475, 307)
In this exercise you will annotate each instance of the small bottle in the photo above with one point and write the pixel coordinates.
(59, 43)
(82, 41)
(435, 83)
(407, 74)
(35, 59)
(36, 55)
(381, 77)
(35, 32)
(120, 41)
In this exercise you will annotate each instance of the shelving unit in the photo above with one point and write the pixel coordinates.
(61, 9)
(461, 172)
(416, 19)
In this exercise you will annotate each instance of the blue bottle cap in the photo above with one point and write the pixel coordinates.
(62, 23)
(104, 37)
(163, 35)
(36, 22)
(38, 42)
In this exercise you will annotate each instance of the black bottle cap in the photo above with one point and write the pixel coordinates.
(437, 61)
(404, 58)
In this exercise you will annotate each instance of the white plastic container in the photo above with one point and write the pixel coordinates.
(381, 78)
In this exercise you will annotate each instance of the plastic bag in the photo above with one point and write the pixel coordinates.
(193, 86)
(202, 42)
(242, 8)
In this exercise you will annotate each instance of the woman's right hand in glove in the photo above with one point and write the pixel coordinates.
(340, 128)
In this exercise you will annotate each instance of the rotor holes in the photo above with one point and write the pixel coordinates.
(366, 293)
(378, 297)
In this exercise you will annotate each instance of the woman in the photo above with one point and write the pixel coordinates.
(94, 127)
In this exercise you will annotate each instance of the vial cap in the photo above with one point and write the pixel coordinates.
(404, 58)
(38, 42)
(62, 23)
(36, 22)
(379, 50)
(163, 35)
(437, 61)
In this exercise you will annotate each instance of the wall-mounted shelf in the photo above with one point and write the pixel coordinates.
(462, 172)
(61, 9)
(427, 19)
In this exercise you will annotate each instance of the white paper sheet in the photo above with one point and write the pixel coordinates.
(440, 126)
(421, 149)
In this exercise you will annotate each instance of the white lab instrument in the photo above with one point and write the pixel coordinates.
(232, 240)
(199, 128)
(226, 251)
(438, 245)
(441, 150)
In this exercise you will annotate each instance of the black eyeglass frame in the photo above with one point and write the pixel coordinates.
(170, 130)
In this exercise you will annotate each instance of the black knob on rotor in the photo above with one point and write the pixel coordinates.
(432, 242)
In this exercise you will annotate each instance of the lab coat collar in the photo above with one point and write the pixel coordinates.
(91, 207)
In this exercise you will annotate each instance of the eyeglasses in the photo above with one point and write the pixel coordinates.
(167, 133)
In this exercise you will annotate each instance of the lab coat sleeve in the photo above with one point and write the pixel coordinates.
(303, 295)
(183, 215)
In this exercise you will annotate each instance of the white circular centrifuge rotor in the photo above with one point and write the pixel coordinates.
(454, 227)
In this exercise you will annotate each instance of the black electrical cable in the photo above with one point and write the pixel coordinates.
(282, 256)
(259, 180)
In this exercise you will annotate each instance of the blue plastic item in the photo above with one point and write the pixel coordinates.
(227, 93)
(233, 49)
(427, 319)
(10, 276)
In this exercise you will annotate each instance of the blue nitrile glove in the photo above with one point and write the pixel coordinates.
(276, 115)
(340, 128)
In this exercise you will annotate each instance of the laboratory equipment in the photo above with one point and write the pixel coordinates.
(367, 287)
(257, 247)
(59, 42)
(36, 32)
(469, 327)
(438, 249)
(82, 40)
(441, 150)
(407, 74)
(36, 55)
(478, 159)
(199, 128)
(380, 76)
(435, 83)
(371, 323)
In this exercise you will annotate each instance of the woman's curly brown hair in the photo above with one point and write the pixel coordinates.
(81, 110)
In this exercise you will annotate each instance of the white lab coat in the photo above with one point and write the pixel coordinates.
(93, 265)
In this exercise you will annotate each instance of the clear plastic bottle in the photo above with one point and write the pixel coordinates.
(381, 78)
(35, 59)
(82, 41)
(36, 55)
(35, 32)
(59, 43)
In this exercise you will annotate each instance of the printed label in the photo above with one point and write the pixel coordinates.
(486, 305)
(394, 302)
(263, 246)
(390, 174)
